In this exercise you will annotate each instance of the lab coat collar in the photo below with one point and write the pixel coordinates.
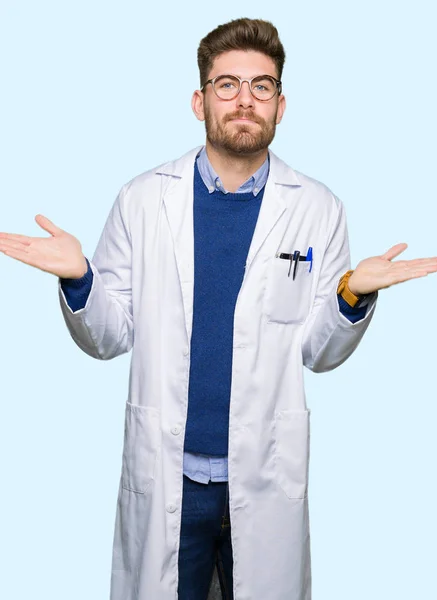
(280, 173)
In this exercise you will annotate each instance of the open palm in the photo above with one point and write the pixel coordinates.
(59, 254)
(380, 272)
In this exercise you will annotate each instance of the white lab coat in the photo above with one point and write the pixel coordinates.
(142, 299)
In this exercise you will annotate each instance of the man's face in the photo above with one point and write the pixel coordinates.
(243, 125)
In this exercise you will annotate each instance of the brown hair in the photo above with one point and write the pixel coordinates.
(240, 34)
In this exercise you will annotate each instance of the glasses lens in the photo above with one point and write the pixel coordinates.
(226, 87)
(263, 87)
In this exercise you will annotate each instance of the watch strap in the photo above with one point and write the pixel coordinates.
(344, 291)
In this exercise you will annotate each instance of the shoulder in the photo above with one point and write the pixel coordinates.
(146, 191)
(172, 169)
(311, 189)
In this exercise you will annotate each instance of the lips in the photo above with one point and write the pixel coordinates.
(243, 119)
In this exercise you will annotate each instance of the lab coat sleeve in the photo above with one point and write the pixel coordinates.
(104, 327)
(329, 338)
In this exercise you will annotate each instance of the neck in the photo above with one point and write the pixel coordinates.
(234, 169)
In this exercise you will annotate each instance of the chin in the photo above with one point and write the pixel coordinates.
(247, 147)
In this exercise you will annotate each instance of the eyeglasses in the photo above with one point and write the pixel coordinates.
(262, 87)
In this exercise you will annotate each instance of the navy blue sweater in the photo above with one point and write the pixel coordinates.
(223, 229)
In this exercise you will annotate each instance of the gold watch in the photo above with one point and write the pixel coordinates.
(344, 291)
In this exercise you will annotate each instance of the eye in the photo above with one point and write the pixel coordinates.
(226, 83)
(263, 85)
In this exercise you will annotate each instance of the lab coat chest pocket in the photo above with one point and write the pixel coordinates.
(288, 300)
(292, 439)
(141, 443)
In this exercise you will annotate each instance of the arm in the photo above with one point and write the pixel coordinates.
(103, 328)
(329, 336)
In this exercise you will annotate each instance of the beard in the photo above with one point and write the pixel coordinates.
(246, 139)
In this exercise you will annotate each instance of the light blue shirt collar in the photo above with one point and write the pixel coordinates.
(212, 181)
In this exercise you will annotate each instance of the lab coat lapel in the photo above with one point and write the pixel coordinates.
(273, 205)
(178, 200)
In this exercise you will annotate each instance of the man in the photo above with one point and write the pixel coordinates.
(225, 272)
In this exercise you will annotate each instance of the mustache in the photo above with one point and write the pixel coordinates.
(238, 114)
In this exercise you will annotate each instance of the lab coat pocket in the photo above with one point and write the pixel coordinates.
(141, 443)
(288, 300)
(292, 438)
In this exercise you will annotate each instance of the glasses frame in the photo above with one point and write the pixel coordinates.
(249, 81)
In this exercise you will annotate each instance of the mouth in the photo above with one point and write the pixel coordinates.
(242, 120)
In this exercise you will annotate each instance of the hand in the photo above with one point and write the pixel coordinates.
(379, 272)
(60, 254)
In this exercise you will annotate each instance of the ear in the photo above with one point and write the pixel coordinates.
(281, 108)
(197, 104)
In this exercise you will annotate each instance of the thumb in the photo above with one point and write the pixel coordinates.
(394, 251)
(47, 225)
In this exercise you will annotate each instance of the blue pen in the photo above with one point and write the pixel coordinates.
(310, 257)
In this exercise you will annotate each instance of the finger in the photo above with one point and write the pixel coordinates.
(409, 267)
(22, 256)
(407, 276)
(417, 262)
(11, 244)
(16, 237)
(394, 251)
(47, 225)
(430, 269)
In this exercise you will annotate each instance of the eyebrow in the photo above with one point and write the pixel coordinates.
(235, 75)
(278, 81)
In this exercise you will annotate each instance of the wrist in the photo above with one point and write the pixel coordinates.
(351, 285)
(85, 267)
(78, 276)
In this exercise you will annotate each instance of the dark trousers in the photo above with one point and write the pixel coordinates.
(205, 540)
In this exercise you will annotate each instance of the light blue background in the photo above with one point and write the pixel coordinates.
(94, 93)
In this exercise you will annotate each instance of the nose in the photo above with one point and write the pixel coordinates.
(245, 98)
